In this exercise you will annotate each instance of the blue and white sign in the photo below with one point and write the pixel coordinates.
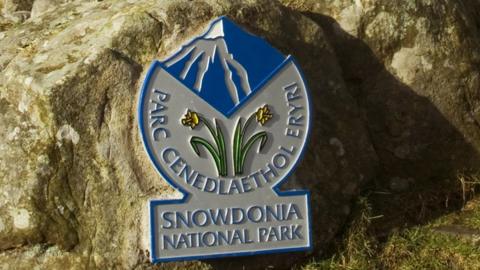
(225, 120)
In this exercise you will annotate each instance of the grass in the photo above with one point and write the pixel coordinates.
(447, 241)
(358, 249)
(426, 248)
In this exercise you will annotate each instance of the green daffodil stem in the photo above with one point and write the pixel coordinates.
(240, 150)
(221, 149)
(237, 146)
(195, 141)
(219, 152)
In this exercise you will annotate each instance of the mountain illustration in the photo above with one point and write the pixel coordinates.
(225, 65)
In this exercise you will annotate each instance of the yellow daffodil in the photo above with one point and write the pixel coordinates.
(263, 114)
(190, 119)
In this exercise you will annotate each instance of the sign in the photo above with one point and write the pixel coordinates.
(225, 120)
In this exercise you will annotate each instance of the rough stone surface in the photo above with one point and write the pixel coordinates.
(75, 78)
(16, 10)
(395, 90)
(413, 69)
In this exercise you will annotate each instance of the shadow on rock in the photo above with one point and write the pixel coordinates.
(371, 134)
(420, 152)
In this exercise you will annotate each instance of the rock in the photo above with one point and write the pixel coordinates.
(413, 69)
(398, 184)
(21, 217)
(73, 74)
(61, 161)
(391, 85)
(41, 6)
(16, 10)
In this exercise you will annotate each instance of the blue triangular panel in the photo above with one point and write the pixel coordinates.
(243, 51)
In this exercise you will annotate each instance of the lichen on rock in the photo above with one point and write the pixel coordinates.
(73, 73)
(391, 85)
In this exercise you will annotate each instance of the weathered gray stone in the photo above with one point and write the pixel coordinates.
(70, 78)
(41, 6)
(413, 68)
(391, 85)
(16, 10)
(75, 77)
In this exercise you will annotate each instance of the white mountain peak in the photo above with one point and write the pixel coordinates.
(202, 52)
(215, 31)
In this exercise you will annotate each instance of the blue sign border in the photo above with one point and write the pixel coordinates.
(153, 67)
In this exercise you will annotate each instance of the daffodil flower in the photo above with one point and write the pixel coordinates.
(263, 114)
(190, 119)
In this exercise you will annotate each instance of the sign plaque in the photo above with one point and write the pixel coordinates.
(225, 120)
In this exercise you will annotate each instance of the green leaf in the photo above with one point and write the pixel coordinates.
(221, 149)
(195, 142)
(249, 120)
(212, 132)
(237, 146)
(262, 136)
(209, 126)
(217, 135)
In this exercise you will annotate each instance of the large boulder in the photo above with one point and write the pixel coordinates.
(16, 10)
(413, 69)
(394, 90)
(75, 177)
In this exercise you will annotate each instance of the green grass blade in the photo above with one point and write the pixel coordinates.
(237, 146)
(209, 126)
(262, 136)
(221, 149)
(195, 142)
(249, 120)
(216, 136)
(220, 143)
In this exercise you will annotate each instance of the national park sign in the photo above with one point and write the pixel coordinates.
(225, 120)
